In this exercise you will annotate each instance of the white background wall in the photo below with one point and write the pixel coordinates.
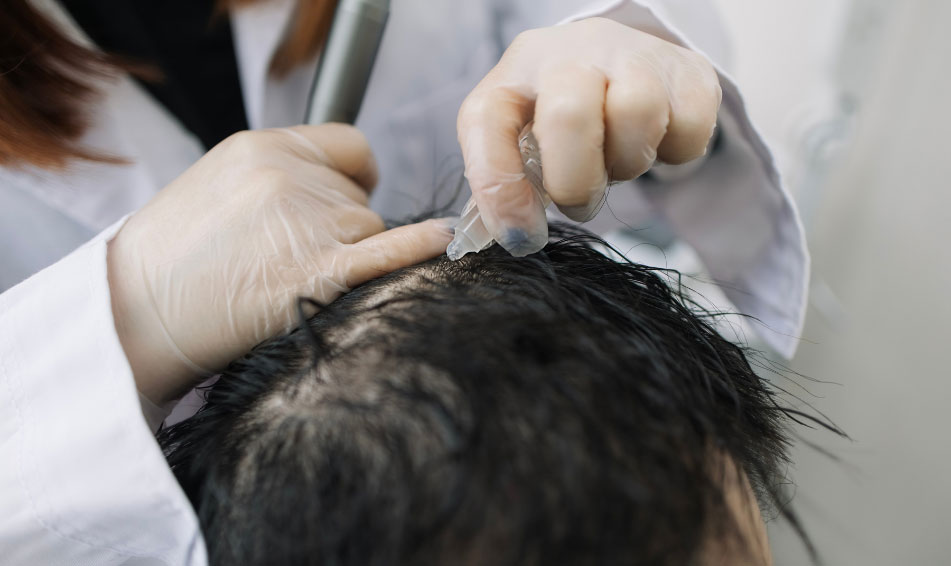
(781, 54)
(879, 219)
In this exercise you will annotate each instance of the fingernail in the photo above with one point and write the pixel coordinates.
(583, 212)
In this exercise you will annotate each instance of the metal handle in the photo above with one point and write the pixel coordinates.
(347, 61)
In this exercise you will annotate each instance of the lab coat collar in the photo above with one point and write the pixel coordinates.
(156, 145)
(52, 10)
(258, 29)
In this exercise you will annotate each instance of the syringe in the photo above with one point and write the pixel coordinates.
(471, 233)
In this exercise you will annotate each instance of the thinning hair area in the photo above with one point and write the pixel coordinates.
(564, 408)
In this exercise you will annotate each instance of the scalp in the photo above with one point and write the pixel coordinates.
(559, 409)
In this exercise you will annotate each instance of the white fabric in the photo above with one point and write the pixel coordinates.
(81, 479)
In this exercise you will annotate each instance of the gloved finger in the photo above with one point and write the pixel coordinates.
(489, 124)
(517, 219)
(340, 146)
(695, 95)
(390, 250)
(322, 181)
(569, 126)
(307, 218)
(636, 114)
(294, 210)
(357, 223)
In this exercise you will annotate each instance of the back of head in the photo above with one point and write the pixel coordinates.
(560, 409)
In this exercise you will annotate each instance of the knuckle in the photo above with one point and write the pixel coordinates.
(526, 37)
(625, 171)
(520, 40)
(597, 24)
(698, 59)
(710, 86)
(716, 92)
(334, 131)
(487, 110)
(359, 196)
(696, 122)
(357, 222)
(684, 146)
(474, 105)
(637, 106)
(694, 115)
(576, 193)
(629, 161)
(359, 138)
(370, 219)
(568, 112)
(245, 144)
(652, 100)
(703, 80)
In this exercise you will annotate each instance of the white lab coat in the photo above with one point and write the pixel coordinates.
(81, 478)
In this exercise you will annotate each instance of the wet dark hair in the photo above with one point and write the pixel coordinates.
(564, 408)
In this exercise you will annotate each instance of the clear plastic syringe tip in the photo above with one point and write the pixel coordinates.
(471, 234)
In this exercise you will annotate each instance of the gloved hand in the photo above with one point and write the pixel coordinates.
(607, 100)
(215, 262)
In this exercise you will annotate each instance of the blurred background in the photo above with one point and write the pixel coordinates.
(854, 96)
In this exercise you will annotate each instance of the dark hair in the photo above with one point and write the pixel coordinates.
(563, 408)
(47, 79)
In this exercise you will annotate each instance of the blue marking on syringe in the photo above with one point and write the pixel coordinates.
(471, 234)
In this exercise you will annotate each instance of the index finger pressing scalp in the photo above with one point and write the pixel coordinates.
(393, 249)
(341, 147)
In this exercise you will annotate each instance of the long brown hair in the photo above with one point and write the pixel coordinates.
(46, 78)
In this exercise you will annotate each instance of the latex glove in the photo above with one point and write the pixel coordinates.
(214, 264)
(607, 100)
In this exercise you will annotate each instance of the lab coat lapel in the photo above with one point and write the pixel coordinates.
(257, 29)
(125, 122)
(269, 102)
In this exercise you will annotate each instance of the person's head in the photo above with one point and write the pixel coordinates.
(563, 408)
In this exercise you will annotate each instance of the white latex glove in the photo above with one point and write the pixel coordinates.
(214, 264)
(607, 100)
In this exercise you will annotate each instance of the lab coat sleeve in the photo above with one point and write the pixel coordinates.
(731, 207)
(82, 480)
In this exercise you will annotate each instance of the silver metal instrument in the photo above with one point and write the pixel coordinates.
(347, 61)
